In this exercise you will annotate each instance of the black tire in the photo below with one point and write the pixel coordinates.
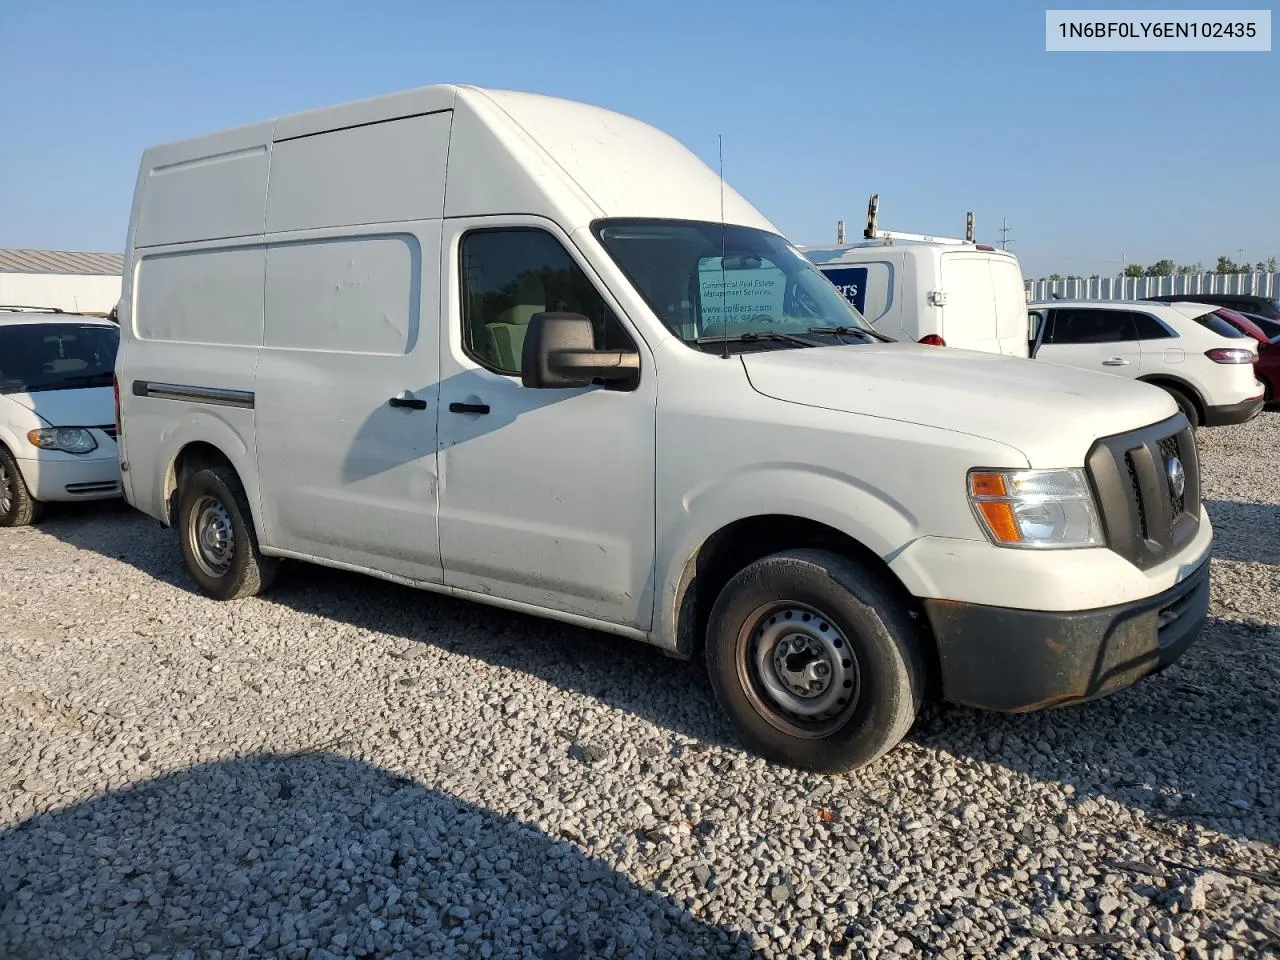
(17, 507)
(211, 503)
(1185, 404)
(848, 608)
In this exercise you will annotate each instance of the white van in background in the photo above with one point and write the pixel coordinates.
(535, 353)
(932, 290)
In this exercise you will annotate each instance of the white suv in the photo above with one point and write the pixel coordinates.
(1203, 362)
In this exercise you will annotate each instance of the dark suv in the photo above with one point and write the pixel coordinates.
(1268, 307)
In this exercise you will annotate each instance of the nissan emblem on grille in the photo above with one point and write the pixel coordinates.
(1177, 477)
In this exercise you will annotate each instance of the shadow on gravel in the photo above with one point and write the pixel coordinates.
(1194, 745)
(99, 525)
(275, 856)
(1246, 532)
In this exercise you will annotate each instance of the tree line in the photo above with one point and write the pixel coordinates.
(1167, 268)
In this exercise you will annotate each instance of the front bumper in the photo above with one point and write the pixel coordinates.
(71, 478)
(995, 658)
(1227, 414)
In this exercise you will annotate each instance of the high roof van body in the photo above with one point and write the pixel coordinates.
(534, 353)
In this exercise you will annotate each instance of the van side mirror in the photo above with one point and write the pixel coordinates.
(560, 352)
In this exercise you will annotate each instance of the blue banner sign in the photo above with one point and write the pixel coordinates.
(852, 284)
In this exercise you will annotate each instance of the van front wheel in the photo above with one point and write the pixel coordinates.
(815, 659)
(219, 544)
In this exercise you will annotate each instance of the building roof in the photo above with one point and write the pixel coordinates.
(61, 261)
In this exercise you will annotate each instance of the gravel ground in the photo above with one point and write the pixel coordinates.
(346, 768)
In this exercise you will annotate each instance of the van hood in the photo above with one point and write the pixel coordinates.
(1045, 410)
(83, 407)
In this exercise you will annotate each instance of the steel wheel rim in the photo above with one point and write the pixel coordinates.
(6, 491)
(799, 669)
(211, 536)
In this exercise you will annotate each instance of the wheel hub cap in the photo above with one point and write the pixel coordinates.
(804, 664)
(6, 491)
(212, 536)
(800, 666)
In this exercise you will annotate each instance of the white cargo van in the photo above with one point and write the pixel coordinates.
(965, 295)
(533, 353)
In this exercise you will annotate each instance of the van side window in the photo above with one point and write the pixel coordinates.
(511, 275)
(1092, 326)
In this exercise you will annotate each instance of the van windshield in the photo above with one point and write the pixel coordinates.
(761, 290)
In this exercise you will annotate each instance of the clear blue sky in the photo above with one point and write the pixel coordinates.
(939, 107)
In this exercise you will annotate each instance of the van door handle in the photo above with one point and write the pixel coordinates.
(405, 399)
(468, 408)
(1115, 362)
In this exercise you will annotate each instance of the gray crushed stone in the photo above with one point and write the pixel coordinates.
(348, 769)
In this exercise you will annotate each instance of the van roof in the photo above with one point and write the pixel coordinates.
(822, 254)
(509, 152)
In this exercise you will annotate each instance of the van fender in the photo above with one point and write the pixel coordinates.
(837, 500)
(213, 426)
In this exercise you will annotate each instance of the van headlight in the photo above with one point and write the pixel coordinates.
(66, 439)
(1039, 509)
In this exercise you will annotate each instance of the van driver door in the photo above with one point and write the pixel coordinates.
(546, 495)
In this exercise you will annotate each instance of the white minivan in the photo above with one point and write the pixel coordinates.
(534, 353)
(57, 422)
(953, 294)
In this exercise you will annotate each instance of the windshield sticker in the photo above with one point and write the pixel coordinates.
(742, 293)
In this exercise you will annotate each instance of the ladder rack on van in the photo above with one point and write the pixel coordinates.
(872, 232)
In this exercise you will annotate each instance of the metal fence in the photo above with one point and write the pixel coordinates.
(1135, 288)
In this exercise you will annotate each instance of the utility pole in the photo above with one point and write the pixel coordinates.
(1004, 233)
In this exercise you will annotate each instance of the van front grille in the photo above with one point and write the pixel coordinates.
(1168, 451)
(1147, 484)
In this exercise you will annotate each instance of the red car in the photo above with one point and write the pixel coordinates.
(1267, 366)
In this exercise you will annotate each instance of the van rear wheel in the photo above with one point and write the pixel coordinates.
(815, 659)
(219, 544)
